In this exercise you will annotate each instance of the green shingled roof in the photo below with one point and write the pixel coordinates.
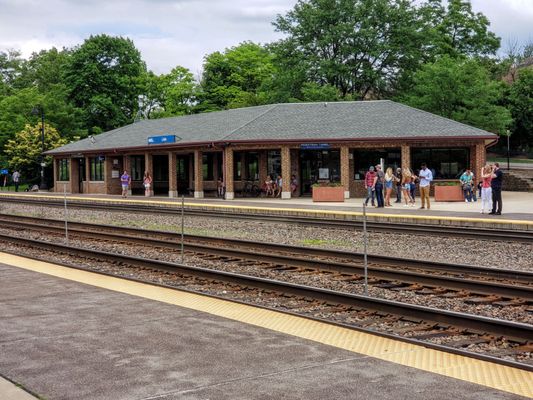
(350, 120)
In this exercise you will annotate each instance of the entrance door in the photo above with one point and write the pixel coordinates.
(182, 171)
(81, 174)
(318, 166)
(160, 174)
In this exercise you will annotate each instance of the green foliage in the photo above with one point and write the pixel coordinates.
(103, 77)
(456, 30)
(520, 103)
(460, 90)
(234, 78)
(360, 47)
(24, 150)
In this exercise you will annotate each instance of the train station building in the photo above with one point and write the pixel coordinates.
(314, 142)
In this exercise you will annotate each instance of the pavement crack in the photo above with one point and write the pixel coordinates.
(253, 377)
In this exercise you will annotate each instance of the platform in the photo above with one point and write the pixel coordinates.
(70, 334)
(517, 208)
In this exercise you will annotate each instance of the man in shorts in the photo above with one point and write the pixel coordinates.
(125, 180)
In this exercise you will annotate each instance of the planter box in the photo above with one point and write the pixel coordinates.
(449, 193)
(328, 193)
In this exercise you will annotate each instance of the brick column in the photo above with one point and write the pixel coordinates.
(228, 173)
(149, 167)
(54, 164)
(198, 175)
(262, 167)
(286, 172)
(172, 175)
(406, 156)
(477, 159)
(345, 170)
(87, 171)
(74, 175)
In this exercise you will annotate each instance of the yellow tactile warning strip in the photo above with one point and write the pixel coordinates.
(496, 376)
(282, 211)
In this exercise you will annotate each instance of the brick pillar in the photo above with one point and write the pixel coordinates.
(74, 175)
(149, 167)
(54, 164)
(228, 173)
(295, 170)
(172, 175)
(263, 167)
(286, 172)
(477, 159)
(108, 167)
(87, 171)
(345, 170)
(406, 156)
(198, 175)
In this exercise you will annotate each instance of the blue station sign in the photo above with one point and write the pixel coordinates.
(162, 139)
(315, 146)
(4, 171)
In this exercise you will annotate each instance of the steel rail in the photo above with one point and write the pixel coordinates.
(509, 329)
(271, 250)
(387, 227)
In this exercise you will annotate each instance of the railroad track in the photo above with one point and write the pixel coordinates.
(474, 285)
(364, 313)
(387, 227)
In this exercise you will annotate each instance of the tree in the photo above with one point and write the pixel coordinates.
(10, 68)
(460, 90)
(103, 78)
(180, 91)
(520, 104)
(24, 150)
(360, 47)
(456, 30)
(234, 78)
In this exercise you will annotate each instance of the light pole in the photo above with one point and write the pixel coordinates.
(36, 111)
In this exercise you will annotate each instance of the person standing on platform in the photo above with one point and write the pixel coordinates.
(370, 178)
(380, 180)
(486, 190)
(425, 177)
(398, 179)
(496, 185)
(16, 180)
(147, 182)
(467, 181)
(389, 182)
(125, 181)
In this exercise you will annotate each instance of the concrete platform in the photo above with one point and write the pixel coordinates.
(63, 339)
(517, 208)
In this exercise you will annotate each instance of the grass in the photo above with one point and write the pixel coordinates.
(322, 242)
(512, 160)
(11, 188)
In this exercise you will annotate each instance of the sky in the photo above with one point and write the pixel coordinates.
(181, 32)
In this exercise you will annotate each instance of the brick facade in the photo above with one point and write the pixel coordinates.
(172, 175)
(345, 170)
(228, 173)
(198, 175)
(286, 172)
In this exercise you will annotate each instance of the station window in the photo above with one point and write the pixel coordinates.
(274, 163)
(63, 170)
(445, 163)
(237, 166)
(207, 166)
(137, 168)
(252, 166)
(97, 168)
(364, 158)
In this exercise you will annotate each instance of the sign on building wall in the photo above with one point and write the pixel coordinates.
(315, 146)
(162, 139)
